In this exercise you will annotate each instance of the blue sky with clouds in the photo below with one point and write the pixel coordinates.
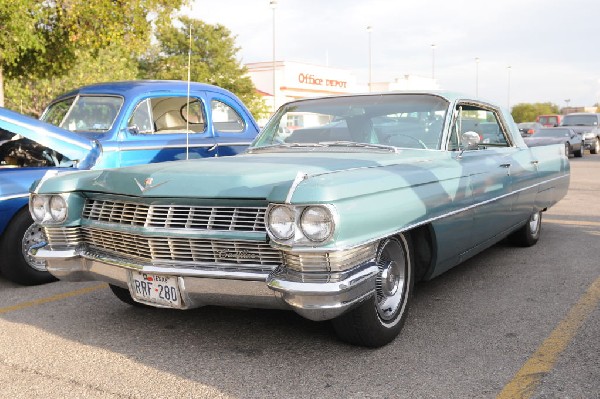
(552, 47)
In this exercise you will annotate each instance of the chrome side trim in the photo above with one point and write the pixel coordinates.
(14, 196)
(169, 146)
(421, 223)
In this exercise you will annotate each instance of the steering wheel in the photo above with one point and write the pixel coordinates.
(411, 138)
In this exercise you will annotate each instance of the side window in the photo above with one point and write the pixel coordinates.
(482, 121)
(57, 111)
(225, 118)
(169, 115)
(141, 119)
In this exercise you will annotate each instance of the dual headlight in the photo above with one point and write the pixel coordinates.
(48, 209)
(313, 223)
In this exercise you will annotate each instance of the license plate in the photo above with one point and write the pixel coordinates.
(155, 289)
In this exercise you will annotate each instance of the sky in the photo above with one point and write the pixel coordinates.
(552, 47)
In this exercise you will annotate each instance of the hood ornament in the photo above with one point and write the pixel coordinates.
(147, 184)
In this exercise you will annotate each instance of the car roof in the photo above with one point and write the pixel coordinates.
(135, 87)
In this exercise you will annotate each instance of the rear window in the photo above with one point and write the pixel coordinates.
(548, 120)
(580, 120)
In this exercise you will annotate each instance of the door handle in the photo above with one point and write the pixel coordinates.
(505, 165)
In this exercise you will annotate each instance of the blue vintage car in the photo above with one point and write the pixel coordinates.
(335, 218)
(105, 126)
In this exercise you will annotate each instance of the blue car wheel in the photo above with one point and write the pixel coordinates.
(18, 266)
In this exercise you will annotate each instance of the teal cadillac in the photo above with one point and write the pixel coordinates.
(339, 206)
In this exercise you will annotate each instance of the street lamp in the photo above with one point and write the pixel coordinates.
(273, 5)
(369, 30)
(433, 61)
(567, 101)
(508, 88)
(476, 77)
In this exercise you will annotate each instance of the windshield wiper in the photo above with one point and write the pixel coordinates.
(355, 144)
(285, 145)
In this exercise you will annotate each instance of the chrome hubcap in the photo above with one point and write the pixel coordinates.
(391, 280)
(534, 223)
(34, 236)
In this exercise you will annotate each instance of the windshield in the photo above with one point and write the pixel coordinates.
(580, 120)
(548, 120)
(553, 133)
(84, 113)
(396, 120)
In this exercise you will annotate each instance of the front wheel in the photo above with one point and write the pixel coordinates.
(567, 150)
(17, 265)
(595, 148)
(379, 319)
(579, 153)
(529, 234)
(124, 295)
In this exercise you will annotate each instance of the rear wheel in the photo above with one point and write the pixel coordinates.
(529, 234)
(19, 237)
(379, 319)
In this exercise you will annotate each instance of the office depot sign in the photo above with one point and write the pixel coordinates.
(310, 79)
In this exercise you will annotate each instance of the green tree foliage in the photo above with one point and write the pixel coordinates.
(53, 36)
(31, 96)
(17, 33)
(213, 59)
(527, 112)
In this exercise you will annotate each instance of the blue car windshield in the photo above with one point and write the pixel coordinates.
(84, 113)
(396, 120)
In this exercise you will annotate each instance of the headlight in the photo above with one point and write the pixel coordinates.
(317, 223)
(281, 222)
(58, 208)
(48, 209)
(38, 208)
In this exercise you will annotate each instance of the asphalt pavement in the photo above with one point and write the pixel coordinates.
(511, 322)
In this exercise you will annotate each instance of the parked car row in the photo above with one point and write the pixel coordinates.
(579, 130)
(335, 219)
(106, 126)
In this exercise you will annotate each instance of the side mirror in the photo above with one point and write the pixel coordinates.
(133, 129)
(470, 140)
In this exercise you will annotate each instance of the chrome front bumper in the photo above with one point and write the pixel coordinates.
(315, 296)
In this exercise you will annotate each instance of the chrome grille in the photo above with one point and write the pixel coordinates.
(62, 236)
(329, 261)
(181, 249)
(175, 216)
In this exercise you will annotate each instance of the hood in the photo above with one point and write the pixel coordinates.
(69, 144)
(270, 176)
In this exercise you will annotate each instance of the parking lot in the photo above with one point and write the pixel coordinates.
(511, 322)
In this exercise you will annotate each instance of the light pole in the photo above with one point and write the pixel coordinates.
(476, 77)
(273, 5)
(508, 89)
(369, 30)
(567, 101)
(433, 61)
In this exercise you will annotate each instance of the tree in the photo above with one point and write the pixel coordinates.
(52, 35)
(18, 34)
(527, 112)
(213, 59)
(31, 95)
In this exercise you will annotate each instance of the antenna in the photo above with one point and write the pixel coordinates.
(187, 114)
